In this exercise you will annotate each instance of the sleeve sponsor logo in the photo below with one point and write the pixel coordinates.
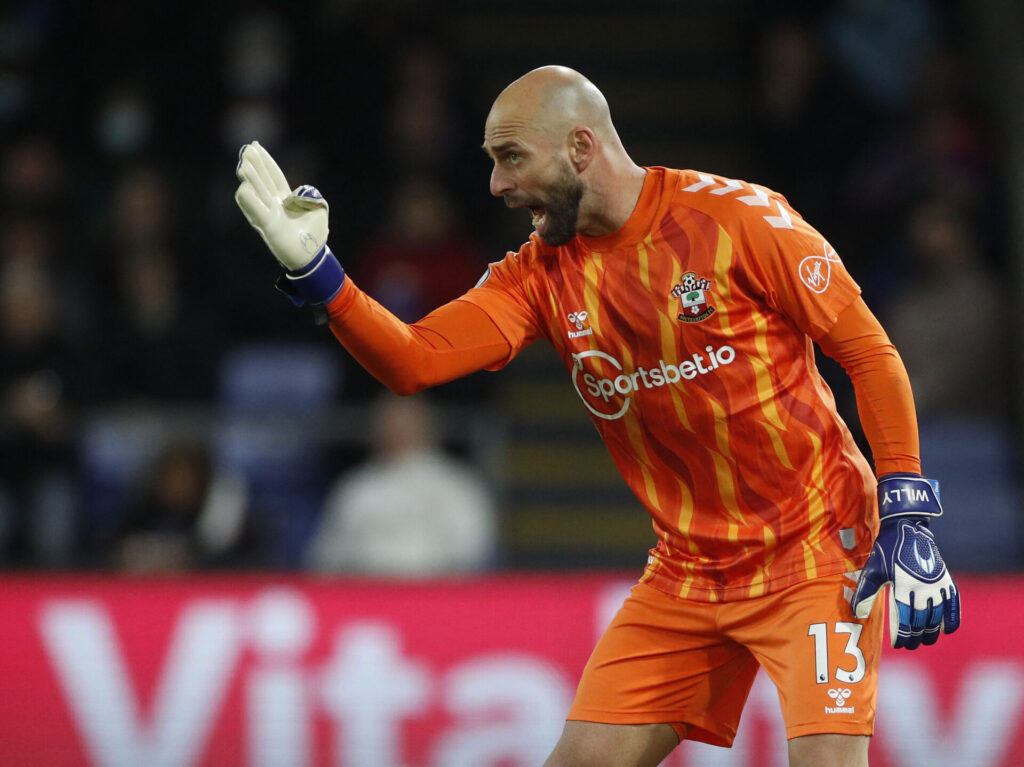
(816, 271)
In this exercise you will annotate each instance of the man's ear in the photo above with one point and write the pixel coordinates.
(582, 147)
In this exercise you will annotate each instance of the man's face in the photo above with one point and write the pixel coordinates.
(537, 177)
(555, 205)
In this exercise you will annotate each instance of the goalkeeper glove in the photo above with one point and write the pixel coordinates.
(293, 224)
(922, 595)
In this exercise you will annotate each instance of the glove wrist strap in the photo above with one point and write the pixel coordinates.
(316, 283)
(904, 495)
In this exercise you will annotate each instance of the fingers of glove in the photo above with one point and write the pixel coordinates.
(903, 637)
(919, 618)
(902, 606)
(926, 636)
(951, 608)
(241, 154)
(872, 579)
(897, 631)
(920, 614)
(929, 617)
(862, 606)
(930, 636)
(251, 205)
(269, 170)
(247, 172)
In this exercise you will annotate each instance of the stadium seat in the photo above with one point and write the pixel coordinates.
(279, 377)
(273, 401)
(115, 447)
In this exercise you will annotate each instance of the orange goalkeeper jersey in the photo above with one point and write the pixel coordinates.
(688, 336)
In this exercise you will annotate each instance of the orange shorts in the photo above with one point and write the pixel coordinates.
(691, 664)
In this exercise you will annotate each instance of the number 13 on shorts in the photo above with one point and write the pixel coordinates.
(826, 667)
(824, 671)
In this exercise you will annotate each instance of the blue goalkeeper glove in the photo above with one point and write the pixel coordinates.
(922, 596)
(293, 224)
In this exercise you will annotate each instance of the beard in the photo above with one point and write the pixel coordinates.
(562, 207)
(560, 204)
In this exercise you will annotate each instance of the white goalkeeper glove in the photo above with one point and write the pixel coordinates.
(293, 224)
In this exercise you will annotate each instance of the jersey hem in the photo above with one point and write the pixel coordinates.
(673, 586)
(820, 329)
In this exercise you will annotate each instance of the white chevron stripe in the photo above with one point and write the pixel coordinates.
(758, 199)
(705, 181)
(731, 185)
(781, 221)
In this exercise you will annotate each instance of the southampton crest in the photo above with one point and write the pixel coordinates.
(694, 298)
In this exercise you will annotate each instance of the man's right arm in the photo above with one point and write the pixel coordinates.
(456, 339)
(484, 329)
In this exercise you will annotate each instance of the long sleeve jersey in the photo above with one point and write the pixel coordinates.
(688, 335)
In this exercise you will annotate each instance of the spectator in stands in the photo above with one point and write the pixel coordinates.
(186, 515)
(952, 308)
(33, 172)
(256, 72)
(422, 121)
(800, 114)
(939, 147)
(151, 320)
(410, 510)
(421, 257)
(42, 382)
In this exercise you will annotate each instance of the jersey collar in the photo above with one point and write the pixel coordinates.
(640, 222)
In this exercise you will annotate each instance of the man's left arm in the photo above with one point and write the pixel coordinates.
(923, 598)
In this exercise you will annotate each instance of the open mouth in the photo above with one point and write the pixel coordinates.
(540, 217)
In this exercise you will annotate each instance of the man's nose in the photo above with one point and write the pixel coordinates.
(501, 184)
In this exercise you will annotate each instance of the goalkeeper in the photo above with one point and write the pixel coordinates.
(685, 307)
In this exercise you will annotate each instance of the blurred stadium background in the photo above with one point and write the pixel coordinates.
(173, 432)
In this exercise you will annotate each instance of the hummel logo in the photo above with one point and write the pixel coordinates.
(579, 319)
(839, 695)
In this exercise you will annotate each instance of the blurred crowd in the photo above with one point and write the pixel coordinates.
(137, 308)
(912, 198)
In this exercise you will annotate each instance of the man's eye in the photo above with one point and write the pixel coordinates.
(512, 157)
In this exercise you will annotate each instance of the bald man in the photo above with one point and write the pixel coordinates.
(684, 306)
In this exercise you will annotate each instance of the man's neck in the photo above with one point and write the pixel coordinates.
(613, 202)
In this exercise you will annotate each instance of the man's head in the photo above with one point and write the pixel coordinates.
(555, 151)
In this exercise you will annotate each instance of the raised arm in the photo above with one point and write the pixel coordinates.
(456, 339)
